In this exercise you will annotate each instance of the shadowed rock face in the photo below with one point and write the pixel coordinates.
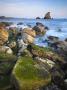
(3, 36)
(47, 16)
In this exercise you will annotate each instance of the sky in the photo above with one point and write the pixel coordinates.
(33, 8)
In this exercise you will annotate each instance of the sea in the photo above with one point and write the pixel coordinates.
(57, 27)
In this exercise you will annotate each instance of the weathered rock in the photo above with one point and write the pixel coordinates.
(30, 32)
(39, 29)
(28, 35)
(44, 53)
(3, 36)
(27, 38)
(6, 49)
(47, 16)
(29, 75)
(7, 62)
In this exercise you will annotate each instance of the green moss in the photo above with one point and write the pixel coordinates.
(7, 57)
(28, 76)
(46, 52)
(41, 48)
(7, 62)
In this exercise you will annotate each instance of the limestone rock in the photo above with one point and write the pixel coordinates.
(3, 36)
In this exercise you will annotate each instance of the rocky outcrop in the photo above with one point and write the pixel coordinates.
(3, 36)
(28, 35)
(47, 16)
(39, 29)
(44, 53)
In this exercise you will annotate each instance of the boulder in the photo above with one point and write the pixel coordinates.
(7, 62)
(39, 29)
(28, 74)
(47, 16)
(6, 49)
(27, 38)
(28, 35)
(3, 36)
(30, 32)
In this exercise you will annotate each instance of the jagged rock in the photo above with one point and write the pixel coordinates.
(47, 16)
(6, 49)
(39, 29)
(3, 36)
(28, 74)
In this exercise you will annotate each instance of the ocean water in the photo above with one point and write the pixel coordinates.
(54, 25)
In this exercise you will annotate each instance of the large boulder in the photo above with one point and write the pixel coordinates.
(28, 74)
(3, 36)
(47, 16)
(28, 35)
(39, 29)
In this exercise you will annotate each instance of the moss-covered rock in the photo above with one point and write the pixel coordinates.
(44, 52)
(7, 62)
(28, 74)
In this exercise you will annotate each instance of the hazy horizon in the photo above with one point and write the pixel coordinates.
(33, 8)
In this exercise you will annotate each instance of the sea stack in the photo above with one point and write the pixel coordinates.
(47, 16)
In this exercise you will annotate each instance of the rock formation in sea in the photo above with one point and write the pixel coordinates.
(37, 17)
(47, 16)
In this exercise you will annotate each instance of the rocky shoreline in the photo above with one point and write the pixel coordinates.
(26, 66)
